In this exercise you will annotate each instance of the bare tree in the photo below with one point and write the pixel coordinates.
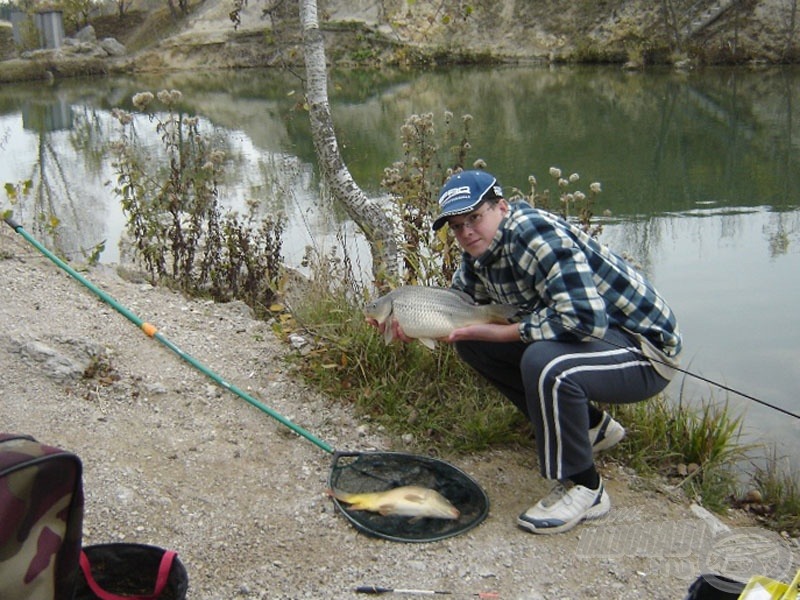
(791, 28)
(182, 4)
(122, 7)
(367, 214)
(671, 23)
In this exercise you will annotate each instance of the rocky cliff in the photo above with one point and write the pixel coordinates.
(633, 32)
(637, 33)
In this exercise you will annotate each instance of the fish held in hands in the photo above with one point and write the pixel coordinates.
(428, 313)
(406, 501)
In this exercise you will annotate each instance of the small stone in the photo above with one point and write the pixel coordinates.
(753, 497)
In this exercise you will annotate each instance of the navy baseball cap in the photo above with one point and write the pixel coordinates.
(463, 192)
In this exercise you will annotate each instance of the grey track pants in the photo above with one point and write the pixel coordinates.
(552, 382)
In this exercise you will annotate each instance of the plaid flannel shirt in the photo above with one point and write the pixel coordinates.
(567, 285)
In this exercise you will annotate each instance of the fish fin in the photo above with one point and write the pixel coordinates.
(501, 313)
(428, 342)
(354, 504)
(386, 509)
(414, 497)
(388, 335)
(463, 295)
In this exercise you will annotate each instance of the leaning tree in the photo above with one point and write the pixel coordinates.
(371, 218)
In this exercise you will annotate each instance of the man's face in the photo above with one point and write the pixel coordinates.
(474, 231)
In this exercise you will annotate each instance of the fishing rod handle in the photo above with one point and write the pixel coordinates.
(12, 223)
(374, 589)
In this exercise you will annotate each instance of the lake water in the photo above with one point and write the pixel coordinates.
(700, 174)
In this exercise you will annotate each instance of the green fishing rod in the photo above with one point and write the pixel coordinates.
(151, 331)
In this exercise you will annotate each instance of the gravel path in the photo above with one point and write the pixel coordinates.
(174, 460)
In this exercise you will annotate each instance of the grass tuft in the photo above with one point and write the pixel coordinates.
(696, 446)
(779, 487)
(428, 398)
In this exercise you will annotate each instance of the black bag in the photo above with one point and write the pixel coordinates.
(715, 587)
(130, 572)
(41, 519)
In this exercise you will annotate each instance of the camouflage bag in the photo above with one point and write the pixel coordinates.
(41, 518)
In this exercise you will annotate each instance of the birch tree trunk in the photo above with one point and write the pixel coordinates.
(367, 214)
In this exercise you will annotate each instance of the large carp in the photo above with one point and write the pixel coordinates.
(429, 313)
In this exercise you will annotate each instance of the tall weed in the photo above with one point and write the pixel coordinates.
(429, 157)
(182, 236)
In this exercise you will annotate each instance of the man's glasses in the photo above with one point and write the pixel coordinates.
(470, 222)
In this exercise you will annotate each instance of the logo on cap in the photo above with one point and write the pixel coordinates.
(453, 195)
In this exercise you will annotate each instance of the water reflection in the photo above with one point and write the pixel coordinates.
(46, 155)
(699, 170)
(46, 116)
(733, 295)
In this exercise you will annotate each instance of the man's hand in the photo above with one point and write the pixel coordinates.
(397, 331)
(484, 332)
(489, 332)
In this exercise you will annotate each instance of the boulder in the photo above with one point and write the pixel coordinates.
(87, 35)
(112, 47)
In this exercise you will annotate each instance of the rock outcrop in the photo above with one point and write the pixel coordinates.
(81, 54)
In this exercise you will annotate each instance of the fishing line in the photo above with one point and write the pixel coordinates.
(679, 369)
(374, 589)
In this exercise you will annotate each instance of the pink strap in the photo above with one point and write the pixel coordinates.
(161, 580)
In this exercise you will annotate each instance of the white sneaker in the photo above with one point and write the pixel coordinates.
(606, 435)
(564, 507)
